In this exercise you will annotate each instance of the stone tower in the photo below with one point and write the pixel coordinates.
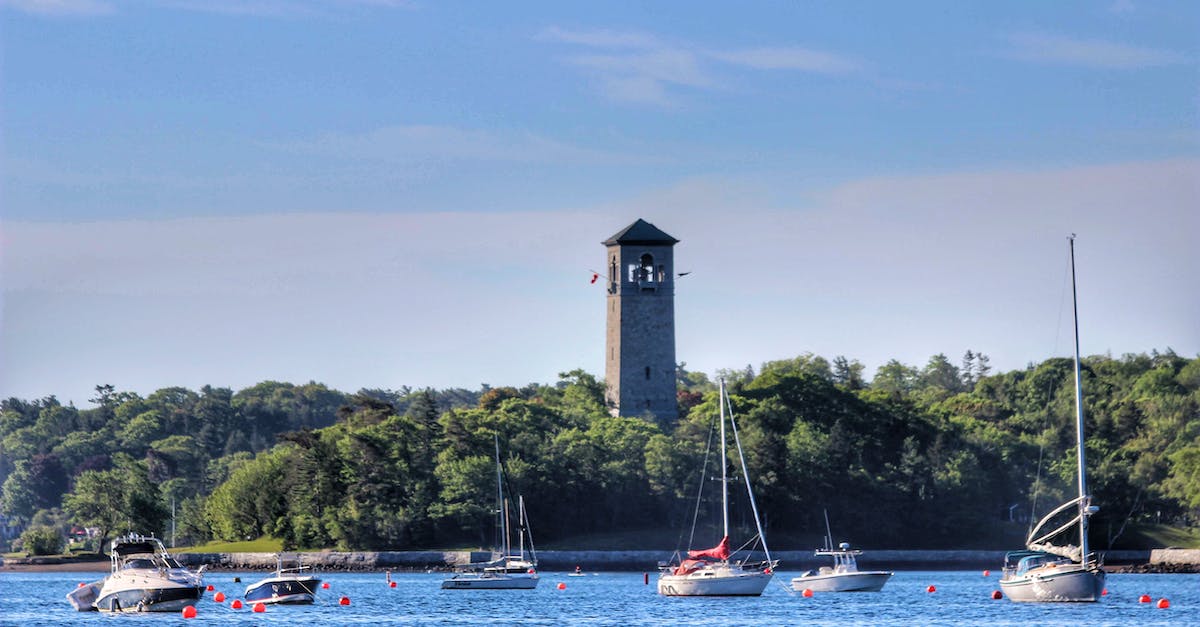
(640, 344)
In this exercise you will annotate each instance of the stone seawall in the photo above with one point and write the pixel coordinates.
(618, 560)
(1189, 557)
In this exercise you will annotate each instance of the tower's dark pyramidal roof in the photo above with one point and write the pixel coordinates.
(640, 232)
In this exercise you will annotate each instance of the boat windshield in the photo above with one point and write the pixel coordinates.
(140, 562)
(1031, 562)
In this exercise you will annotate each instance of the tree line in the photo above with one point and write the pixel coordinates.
(946, 455)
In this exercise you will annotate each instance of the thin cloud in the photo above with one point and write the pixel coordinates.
(636, 67)
(600, 38)
(1089, 53)
(789, 58)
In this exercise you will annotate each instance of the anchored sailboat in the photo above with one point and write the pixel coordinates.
(508, 570)
(1048, 571)
(711, 572)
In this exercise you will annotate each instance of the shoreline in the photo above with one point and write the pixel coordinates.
(1155, 561)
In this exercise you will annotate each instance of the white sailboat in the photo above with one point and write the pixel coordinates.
(507, 570)
(1048, 571)
(711, 572)
(844, 575)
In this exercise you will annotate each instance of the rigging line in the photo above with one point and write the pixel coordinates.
(700, 492)
(1049, 389)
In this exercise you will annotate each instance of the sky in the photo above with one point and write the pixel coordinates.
(388, 193)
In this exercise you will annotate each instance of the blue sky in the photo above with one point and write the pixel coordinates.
(380, 193)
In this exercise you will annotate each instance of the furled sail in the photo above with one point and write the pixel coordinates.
(719, 552)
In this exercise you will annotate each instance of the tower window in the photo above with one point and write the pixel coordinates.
(646, 271)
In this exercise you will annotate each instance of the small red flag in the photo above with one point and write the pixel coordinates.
(594, 277)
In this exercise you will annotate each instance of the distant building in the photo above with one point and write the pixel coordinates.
(640, 342)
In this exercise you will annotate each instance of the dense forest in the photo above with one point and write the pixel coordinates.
(942, 456)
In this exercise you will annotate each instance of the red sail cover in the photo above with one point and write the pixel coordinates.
(719, 552)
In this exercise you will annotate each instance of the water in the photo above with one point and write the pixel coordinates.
(962, 598)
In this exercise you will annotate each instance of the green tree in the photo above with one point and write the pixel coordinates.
(895, 377)
(121, 498)
(42, 540)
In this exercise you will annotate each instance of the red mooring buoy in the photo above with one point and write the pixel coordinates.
(325, 585)
(1163, 604)
(1145, 598)
(237, 604)
(219, 597)
(209, 588)
(260, 607)
(391, 584)
(562, 586)
(807, 593)
(996, 594)
(987, 573)
(344, 601)
(931, 589)
(189, 611)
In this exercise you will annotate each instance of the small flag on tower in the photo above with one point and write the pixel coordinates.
(595, 275)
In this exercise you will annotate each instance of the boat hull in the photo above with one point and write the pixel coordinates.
(171, 599)
(284, 590)
(842, 582)
(1064, 584)
(83, 598)
(721, 584)
(490, 582)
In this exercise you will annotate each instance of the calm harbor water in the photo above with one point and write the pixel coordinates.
(962, 598)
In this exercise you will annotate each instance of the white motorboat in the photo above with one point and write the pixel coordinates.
(144, 578)
(843, 576)
(292, 585)
(1049, 570)
(508, 570)
(711, 572)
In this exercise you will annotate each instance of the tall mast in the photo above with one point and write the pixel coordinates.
(724, 463)
(500, 509)
(1084, 501)
(746, 475)
(521, 524)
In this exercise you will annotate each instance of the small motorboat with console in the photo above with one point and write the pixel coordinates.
(144, 578)
(293, 585)
(843, 576)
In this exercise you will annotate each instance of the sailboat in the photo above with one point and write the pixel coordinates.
(507, 570)
(844, 575)
(711, 572)
(1048, 570)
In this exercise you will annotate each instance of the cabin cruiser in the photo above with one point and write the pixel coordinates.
(144, 578)
(285, 585)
